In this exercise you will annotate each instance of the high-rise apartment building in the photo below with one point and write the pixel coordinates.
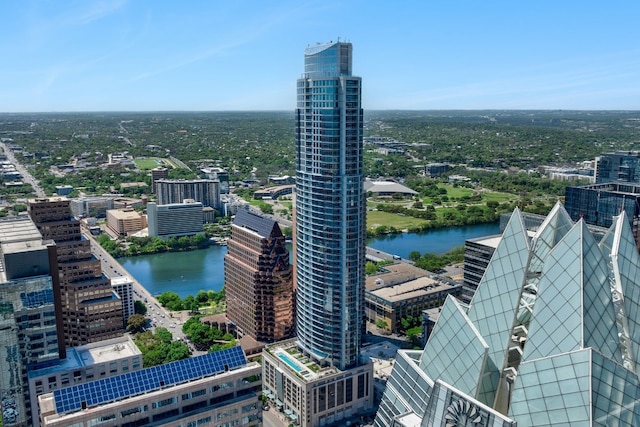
(330, 207)
(550, 337)
(157, 174)
(318, 378)
(205, 191)
(91, 310)
(258, 279)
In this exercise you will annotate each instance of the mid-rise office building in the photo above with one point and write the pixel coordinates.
(96, 206)
(599, 204)
(258, 279)
(178, 219)
(29, 333)
(82, 364)
(172, 191)
(91, 310)
(621, 166)
(550, 337)
(216, 389)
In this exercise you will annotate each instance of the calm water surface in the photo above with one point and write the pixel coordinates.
(186, 273)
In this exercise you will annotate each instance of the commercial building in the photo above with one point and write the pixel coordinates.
(330, 207)
(403, 290)
(259, 279)
(29, 333)
(218, 388)
(91, 310)
(178, 219)
(549, 338)
(621, 166)
(598, 204)
(172, 191)
(125, 221)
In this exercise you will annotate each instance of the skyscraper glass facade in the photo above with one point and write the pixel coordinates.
(330, 207)
(550, 337)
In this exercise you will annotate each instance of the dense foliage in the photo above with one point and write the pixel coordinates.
(434, 262)
(151, 245)
(206, 338)
(159, 348)
(173, 302)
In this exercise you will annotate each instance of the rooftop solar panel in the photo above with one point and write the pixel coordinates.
(75, 398)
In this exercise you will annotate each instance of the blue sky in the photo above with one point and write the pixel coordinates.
(144, 55)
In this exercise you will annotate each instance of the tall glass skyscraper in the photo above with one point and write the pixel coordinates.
(330, 207)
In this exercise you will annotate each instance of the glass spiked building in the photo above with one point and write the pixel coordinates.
(330, 207)
(551, 337)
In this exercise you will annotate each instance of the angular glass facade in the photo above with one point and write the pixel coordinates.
(330, 207)
(550, 338)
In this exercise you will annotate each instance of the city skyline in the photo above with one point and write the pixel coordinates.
(133, 56)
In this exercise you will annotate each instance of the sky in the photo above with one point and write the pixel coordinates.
(214, 55)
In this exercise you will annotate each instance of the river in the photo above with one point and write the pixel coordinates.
(186, 273)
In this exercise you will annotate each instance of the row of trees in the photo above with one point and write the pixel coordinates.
(434, 262)
(150, 245)
(173, 302)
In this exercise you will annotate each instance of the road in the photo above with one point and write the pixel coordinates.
(158, 315)
(26, 176)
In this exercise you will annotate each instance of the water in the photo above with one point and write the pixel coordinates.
(434, 241)
(186, 273)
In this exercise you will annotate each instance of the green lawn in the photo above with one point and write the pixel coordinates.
(378, 218)
(148, 163)
(498, 197)
(456, 192)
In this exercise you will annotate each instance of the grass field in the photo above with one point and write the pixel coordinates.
(400, 222)
(456, 192)
(148, 163)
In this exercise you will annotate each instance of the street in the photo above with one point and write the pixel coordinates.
(157, 315)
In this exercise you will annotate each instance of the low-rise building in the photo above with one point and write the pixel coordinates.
(218, 388)
(83, 364)
(404, 290)
(125, 221)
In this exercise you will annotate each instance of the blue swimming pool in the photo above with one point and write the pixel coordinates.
(289, 361)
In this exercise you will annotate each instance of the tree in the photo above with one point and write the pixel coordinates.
(370, 268)
(139, 307)
(382, 324)
(164, 335)
(136, 323)
(414, 256)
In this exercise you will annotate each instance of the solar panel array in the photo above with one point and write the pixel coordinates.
(36, 298)
(75, 398)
